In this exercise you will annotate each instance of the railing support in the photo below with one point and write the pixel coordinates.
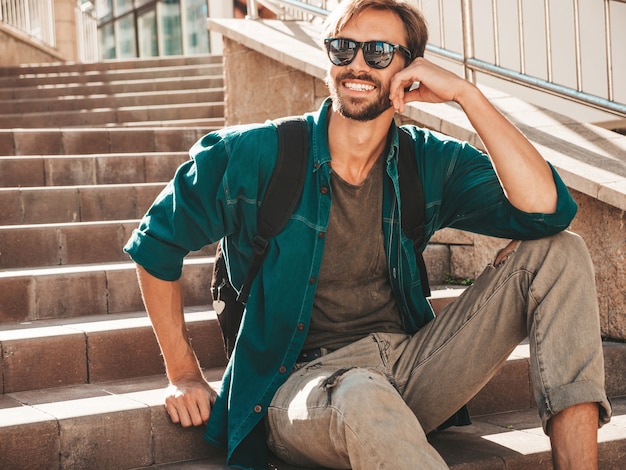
(253, 10)
(468, 39)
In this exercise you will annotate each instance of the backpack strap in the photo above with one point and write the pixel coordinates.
(413, 210)
(283, 192)
(412, 200)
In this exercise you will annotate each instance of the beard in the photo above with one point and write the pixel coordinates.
(358, 109)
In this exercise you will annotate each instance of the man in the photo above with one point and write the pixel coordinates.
(340, 283)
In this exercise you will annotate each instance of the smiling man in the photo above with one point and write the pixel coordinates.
(339, 360)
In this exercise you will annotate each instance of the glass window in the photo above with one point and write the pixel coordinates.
(122, 6)
(148, 44)
(195, 29)
(125, 37)
(139, 3)
(104, 10)
(148, 28)
(106, 37)
(170, 38)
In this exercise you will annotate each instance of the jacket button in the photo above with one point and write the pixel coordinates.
(282, 369)
(300, 326)
(311, 280)
(324, 189)
(257, 408)
(321, 235)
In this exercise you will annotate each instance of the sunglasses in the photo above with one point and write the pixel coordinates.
(377, 54)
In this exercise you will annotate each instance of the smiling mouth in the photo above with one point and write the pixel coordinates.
(358, 86)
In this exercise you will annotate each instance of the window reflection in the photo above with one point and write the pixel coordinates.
(148, 28)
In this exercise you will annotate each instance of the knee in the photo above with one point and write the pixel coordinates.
(564, 259)
(568, 248)
(569, 242)
(573, 250)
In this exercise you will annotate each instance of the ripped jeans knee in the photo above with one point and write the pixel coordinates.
(358, 384)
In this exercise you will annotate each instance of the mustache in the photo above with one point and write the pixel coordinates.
(364, 76)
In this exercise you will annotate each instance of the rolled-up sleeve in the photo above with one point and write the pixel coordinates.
(176, 223)
(212, 195)
(464, 192)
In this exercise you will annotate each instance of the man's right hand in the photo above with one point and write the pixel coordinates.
(188, 401)
(189, 398)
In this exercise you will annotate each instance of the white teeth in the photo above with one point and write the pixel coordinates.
(359, 87)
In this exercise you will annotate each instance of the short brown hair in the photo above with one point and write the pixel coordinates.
(416, 31)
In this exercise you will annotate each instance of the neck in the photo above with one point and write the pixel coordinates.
(356, 145)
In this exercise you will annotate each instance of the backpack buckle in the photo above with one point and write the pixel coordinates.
(259, 244)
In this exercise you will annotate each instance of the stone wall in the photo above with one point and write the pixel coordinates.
(603, 227)
(65, 29)
(17, 49)
(258, 88)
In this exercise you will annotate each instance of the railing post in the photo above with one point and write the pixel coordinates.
(609, 50)
(253, 10)
(468, 39)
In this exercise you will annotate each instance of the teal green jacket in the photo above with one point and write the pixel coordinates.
(217, 194)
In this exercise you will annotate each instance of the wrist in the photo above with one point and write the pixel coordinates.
(182, 366)
(468, 96)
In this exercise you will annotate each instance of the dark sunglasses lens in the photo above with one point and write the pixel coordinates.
(378, 54)
(341, 51)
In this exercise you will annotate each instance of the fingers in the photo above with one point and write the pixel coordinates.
(423, 81)
(397, 98)
(402, 88)
(189, 405)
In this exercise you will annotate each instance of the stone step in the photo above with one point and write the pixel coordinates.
(516, 440)
(42, 78)
(28, 294)
(115, 64)
(81, 170)
(123, 424)
(48, 245)
(112, 87)
(210, 124)
(96, 348)
(511, 440)
(77, 102)
(94, 289)
(30, 246)
(108, 115)
(74, 141)
(64, 204)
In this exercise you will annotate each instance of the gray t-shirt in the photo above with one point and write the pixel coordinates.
(353, 296)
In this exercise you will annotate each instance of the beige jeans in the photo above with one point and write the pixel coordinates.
(369, 405)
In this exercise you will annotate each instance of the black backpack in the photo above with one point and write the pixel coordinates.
(283, 193)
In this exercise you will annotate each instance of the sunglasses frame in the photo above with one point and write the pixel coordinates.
(359, 45)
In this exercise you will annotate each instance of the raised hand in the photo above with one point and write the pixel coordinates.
(436, 85)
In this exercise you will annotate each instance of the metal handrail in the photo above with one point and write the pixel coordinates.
(289, 9)
(307, 9)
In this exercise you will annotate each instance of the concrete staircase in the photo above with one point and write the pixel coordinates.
(84, 149)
